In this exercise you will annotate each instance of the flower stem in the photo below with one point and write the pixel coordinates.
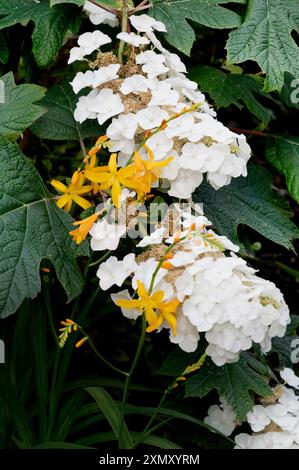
(98, 261)
(100, 355)
(98, 3)
(162, 127)
(124, 27)
(249, 132)
(154, 415)
(129, 376)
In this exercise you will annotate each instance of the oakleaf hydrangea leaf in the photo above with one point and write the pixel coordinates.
(32, 228)
(176, 13)
(283, 153)
(235, 382)
(249, 201)
(231, 88)
(17, 108)
(59, 122)
(266, 37)
(51, 24)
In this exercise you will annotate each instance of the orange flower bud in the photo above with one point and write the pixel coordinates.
(81, 342)
(166, 265)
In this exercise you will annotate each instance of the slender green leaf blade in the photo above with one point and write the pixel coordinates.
(60, 445)
(113, 415)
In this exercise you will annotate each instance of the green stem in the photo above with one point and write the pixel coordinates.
(102, 358)
(98, 261)
(54, 393)
(154, 415)
(129, 377)
(84, 275)
(160, 128)
(124, 27)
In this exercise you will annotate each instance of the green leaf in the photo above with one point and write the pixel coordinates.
(80, 3)
(283, 153)
(176, 362)
(266, 37)
(51, 24)
(4, 51)
(19, 415)
(32, 228)
(232, 381)
(148, 411)
(110, 409)
(17, 112)
(249, 201)
(157, 441)
(285, 347)
(59, 122)
(230, 88)
(175, 13)
(107, 3)
(292, 327)
(60, 445)
(290, 91)
(152, 440)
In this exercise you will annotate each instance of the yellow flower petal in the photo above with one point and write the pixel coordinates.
(68, 205)
(116, 193)
(83, 190)
(97, 177)
(81, 201)
(128, 304)
(63, 200)
(141, 290)
(158, 296)
(112, 165)
(171, 320)
(62, 188)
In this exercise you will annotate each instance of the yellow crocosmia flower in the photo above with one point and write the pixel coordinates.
(112, 178)
(148, 171)
(91, 167)
(154, 308)
(73, 192)
(84, 226)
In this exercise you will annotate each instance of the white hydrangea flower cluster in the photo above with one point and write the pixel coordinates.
(152, 86)
(222, 417)
(274, 422)
(218, 295)
(275, 425)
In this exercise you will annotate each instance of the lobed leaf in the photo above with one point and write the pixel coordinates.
(32, 228)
